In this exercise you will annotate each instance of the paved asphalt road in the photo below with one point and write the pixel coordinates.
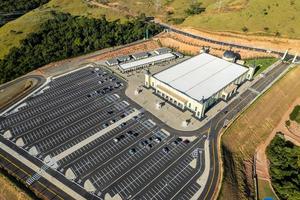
(65, 90)
(41, 80)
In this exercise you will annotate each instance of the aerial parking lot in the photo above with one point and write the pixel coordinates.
(82, 129)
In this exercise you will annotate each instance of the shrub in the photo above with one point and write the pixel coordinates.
(195, 9)
(284, 168)
(245, 29)
(295, 114)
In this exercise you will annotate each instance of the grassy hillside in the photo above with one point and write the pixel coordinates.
(13, 32)
(264, 17)
(268, 17)
(239, 143)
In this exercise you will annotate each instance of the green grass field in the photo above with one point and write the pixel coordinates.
(262, 17)
(261, 63)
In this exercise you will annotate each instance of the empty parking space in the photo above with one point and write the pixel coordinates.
(144, 171)
(169, 182)
(87, 127)
(95, 159)
(52, 104)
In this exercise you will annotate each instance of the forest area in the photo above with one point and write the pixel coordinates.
(66, 36)
(12, 9)
(7, 6)
(284, 159)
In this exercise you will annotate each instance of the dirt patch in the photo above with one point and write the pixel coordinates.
(145, 46)
(8, 94)
(192, 46)
(66, 65)
(10, 191)
(267, 42)
(251, 129)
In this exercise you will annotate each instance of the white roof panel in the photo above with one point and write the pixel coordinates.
(201, 76)
(145, 61)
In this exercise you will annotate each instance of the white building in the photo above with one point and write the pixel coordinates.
(138, 64)
(199, 82)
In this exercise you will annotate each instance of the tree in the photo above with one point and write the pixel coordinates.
(284, 167)
(66, 36)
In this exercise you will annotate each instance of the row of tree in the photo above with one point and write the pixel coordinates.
(66, 36)
(284, 159)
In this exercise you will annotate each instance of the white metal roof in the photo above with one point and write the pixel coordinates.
(201, 76)
(146, 61)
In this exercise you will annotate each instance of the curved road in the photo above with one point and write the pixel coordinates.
(41, 80)
(214, 127)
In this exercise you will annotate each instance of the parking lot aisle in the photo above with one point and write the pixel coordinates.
(149, 171)
(68, 89)
(67, 120)
(51, 115)
(128, 163)
(100, 153)
(57, 82)
(189, 192)
(95, 136)
(198, 181)
(37, 110)
(54, 101)
(121, 163)
(168, 182)
(82, 131)
(73, 133)
(72, 158)
(146, 171)
(62, 91)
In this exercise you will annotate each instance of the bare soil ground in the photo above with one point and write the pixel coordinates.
(262, 163)
(63, 66)
(192, 46)
(9, 191)
(267, 42)
(145, 46)
(12, 92)
(253, 127)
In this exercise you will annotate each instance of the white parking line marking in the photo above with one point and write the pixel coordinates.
(94, 137)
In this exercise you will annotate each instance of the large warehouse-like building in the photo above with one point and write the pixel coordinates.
(199, 82)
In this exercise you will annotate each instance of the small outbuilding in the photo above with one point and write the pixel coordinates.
(163, 50)
(141, 55)
(178, 55)
(124, 58)
(112, 62)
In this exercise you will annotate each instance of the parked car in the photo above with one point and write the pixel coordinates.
(132, 151)
(119, 138)
(166, 149)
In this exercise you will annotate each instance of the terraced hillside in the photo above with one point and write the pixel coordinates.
(268, 17)
(261, 17)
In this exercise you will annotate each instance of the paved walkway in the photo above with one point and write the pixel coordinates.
(204, 177)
